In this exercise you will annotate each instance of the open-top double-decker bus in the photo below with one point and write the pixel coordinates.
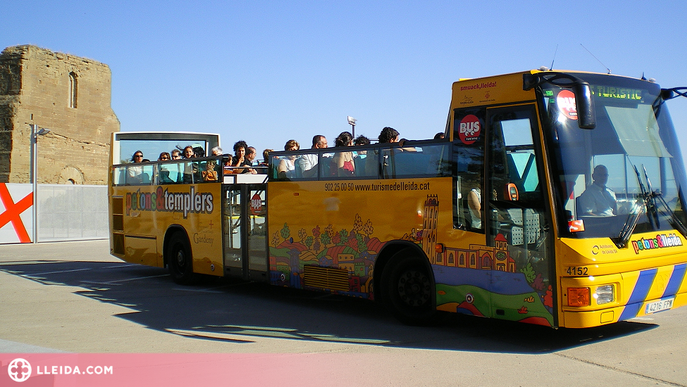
(556, 199)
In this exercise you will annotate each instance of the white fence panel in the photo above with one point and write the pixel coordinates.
(72, 212)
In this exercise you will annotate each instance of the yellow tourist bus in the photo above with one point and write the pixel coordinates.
(556, 198)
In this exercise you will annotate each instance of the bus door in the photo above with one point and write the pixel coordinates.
(517, 221)
(244, 229)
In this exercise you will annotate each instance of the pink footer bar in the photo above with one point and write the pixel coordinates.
(130, 370)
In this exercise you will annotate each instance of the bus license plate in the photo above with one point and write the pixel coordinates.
(659, 305)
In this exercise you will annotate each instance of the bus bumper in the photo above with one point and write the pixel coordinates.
(638, 293)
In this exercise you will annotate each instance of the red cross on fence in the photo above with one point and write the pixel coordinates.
(13, 211)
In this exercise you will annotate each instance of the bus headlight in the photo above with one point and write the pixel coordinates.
(604, 294)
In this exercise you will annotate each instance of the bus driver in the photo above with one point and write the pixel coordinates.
(598, 199)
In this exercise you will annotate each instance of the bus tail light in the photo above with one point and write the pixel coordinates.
(604, 294)
(579, 297)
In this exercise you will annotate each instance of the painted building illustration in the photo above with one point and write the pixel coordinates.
(468, 280)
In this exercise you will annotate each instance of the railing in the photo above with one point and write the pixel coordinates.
(186, 171)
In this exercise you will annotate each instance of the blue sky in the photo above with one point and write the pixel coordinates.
(269, 71)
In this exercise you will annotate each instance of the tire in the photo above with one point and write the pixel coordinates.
(408, 289)
(180, 260)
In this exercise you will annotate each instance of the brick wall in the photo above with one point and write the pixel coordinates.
(36, 87)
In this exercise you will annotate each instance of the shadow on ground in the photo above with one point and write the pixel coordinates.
(238, 312)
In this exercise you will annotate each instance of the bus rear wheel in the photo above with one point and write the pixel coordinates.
(408, 289)
(180, 260)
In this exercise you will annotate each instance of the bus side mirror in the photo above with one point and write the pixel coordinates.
(586, 118)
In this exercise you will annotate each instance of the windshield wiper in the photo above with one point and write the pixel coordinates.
(645, 202)
(630, 224)
(650, 200)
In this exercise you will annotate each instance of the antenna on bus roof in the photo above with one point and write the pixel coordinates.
(554, 57)
(590, 53)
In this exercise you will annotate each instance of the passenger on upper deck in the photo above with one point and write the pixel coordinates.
(361, 140)
(210, 174)
(250, 157)
(388, 135)
(344, 160)
(188, 152)
(308, 162)
(176, 154)
(365, 161)
(135, 173)
(189, 168)
(163, 171)
(266, 157)
(217, 151)
(240, 148)
(286, 168)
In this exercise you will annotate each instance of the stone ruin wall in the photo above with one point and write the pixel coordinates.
(35, 88)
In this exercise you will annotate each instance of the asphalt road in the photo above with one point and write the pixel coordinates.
(75, 297)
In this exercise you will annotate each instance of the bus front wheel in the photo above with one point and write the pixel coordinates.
(180, 261)
(408, 289)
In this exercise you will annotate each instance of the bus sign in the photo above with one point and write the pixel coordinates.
(256, 205)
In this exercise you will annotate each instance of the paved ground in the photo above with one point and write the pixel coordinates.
(75, 297)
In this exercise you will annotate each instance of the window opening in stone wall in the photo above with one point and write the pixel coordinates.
(73, 90)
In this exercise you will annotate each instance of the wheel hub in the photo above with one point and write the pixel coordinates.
(414, 288)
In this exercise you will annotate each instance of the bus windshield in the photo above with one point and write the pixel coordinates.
(626, 175)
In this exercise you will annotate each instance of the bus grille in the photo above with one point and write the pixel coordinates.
(326, 278)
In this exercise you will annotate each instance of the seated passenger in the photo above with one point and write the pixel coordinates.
(188, 152)
(216, 151)
(134, 174)
(199, 151)
(388, 135)
(344, 160)
(189, 168)
(239, 153)
(227, 160)
(598, 199)
(210, 174)
(250, 158)
(308, 162)
(266, 157)
(287, 168)
(163, 172)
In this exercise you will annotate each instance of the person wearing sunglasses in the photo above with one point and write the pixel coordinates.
(163, 172)
(134, 174)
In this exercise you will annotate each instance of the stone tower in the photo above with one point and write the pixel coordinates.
(70, 96)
